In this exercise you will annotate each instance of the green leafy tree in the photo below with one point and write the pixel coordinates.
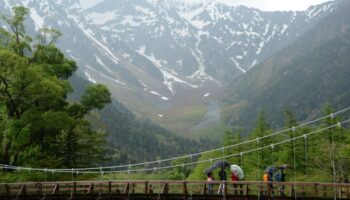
(38, 125)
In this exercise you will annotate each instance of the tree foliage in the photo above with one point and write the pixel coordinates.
(322, 156)
(38, 126)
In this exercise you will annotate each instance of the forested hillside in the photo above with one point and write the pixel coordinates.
(319, 151)
(303, 77)
(133, 139)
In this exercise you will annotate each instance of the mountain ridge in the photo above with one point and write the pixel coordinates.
(152, 56)
(303, 78)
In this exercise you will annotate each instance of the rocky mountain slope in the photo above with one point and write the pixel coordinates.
(302, 78)
(159, 57)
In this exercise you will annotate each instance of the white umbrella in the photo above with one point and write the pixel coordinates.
(237, 170)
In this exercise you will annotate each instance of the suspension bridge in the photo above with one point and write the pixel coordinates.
(180, 189)
(171, 190)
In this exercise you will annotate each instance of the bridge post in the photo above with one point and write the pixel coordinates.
(316, 190)
(165, 191)
(246, 190)
(109, 189)
(292, 191)
(126, 191)
(184, 190)
(117, 189)
(40, 189)
(348, 192)
(133, 185)
(204, 189)
(91, 189)
(7, 191)
(56, 190)
(225, 188)
(303, 191)
(150, 190)
(22, 192)
(74, 190)
(324, 191)
(146, 187)
(269, 190)
(166, 188)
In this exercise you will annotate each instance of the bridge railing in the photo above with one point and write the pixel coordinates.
(179, 188)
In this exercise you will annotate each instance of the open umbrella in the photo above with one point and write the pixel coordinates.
(237, 170)
(217, 164)
(270, 169)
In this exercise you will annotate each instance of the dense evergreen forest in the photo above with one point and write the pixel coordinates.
(319, 151)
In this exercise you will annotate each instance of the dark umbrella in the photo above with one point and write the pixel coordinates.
(217, 164)
(270, 169)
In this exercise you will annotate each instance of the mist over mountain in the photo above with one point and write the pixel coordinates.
(160, 58)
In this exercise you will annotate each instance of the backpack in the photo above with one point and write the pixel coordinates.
(278, 176)
(266, 177)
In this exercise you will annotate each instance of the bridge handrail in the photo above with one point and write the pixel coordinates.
(313, 189)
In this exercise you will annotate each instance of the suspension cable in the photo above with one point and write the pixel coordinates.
(178, 165)
(208, 151)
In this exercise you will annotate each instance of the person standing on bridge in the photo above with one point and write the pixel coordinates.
(268, 180)
(280, 176)
(210, 178)
(222, 175)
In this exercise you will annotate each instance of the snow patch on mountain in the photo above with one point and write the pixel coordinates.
(89, 33)
(85, 4)
(112, 79)
(99, 61)
(238, 66)
(38, 20)
(169, 76)
(101, 18)
(89, 77)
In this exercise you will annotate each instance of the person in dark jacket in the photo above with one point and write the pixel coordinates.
(222, 175)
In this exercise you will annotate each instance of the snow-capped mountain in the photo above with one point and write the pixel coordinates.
(156, 55)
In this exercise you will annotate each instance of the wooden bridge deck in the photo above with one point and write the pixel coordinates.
(171, 190)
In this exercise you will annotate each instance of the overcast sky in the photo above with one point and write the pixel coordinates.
(268, 5)
(277, 4)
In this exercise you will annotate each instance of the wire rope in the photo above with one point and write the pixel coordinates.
(178, 165)
(208, 151)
